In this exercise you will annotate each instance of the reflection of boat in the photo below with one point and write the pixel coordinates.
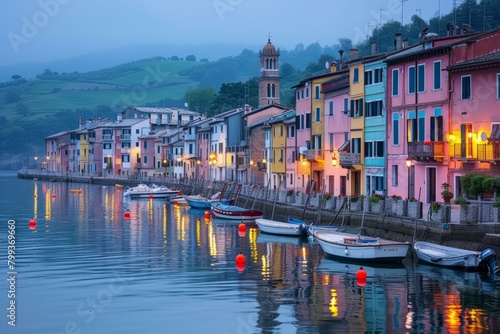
(221, 210)
(144, 191)
(119, 186)
(386, 270)
(178, 200)
(202, 202)
(446, 256)
(292, 226)
(360, 247)
(282, 239)
(75, 191)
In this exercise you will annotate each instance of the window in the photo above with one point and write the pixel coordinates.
(395, 128)
(368, 77)
(374, 149)
(436, 128)
(302, 122)
(356, 145)
(331, 141)
(146, 160)
(437, 75)
(318, 115)
(126, 144)
(411, 80)
(374, 108)
(395, 175)
(191, 148)
(106, 146)
(316, 92)
(137, 131)
(330, 108)
(125, 157)
(421, 78)
(308, 120)
(290, 131)
(281, 156)
(421, 126)
(307, 93)
(346, 105)
(281, 130)
(498, 86)
(412, 127)
(357, 108)
(146, 145)
(377, 75)
(395, 82)
(466, 87)
(355, 75)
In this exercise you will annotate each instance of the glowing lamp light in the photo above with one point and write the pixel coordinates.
(334, 161)
(264, 160)
(207, 214)
(408, 162)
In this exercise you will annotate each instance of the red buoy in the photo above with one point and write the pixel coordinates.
(361, 282)
(53, 195)
(126, 214)
(242, 227)
(32, 224)
(150, 196)
(240, 266)
(361, 273)
(240, 258)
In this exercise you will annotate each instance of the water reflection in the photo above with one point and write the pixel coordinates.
(178, 272)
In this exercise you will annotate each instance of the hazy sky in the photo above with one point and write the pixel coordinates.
(44, 30)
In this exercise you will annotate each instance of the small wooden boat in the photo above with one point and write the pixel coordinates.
(221, 210)
(360, 247)
(452, 257)
(292, 227)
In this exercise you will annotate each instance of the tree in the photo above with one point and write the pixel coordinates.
(200, 99)
(22, 109)
(235, 95)
(174, 58)
(13, 96)
(203, 60)
(190, 58)
(16, 77)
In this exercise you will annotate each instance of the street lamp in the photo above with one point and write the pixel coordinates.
(334, 160)
(409, 164)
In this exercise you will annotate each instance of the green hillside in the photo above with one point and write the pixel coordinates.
(139, 83)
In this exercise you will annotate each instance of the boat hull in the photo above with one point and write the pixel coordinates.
(281, 228)
(204, 204)
(234, 212)
(445, 256)
(360, 248)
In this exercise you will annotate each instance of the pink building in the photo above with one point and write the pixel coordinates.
(474, 131)
(418, 116)
(303, 131)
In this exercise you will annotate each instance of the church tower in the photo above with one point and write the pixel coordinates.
(269, 80)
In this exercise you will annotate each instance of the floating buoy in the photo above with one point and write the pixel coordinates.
(240, 258)
(242, 233)
(126, 214)
(207, 214)
(361, 273)
(361, 282)
(240, 266)
(53, 195)
(242, 227)
(150, 196)
(34, 196)
(32, 224)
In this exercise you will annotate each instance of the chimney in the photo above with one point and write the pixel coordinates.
(374, 48)
(397, 41)
(353, 54)
(341, 53)
(333, 67)
(119, 117)
(405, 42)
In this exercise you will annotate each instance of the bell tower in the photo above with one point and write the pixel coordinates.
(269, 79)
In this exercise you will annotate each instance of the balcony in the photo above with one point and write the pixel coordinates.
(349, 160)
(125, 137)
(426, 151)
(138, 165)
(314, 155)
(107, 137)
(158, 121)
(483, 152)
(91, 139)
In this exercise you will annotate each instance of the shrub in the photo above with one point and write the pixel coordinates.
(496, 204)
(464, 204)
(396, 197)
(435, 207)
(354, 198)
(375, 198)
(290, 192)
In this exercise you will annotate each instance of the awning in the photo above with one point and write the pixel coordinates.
(345, 146)
(495, 133)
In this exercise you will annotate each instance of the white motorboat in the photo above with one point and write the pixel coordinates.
(145, 191)
(291, 227)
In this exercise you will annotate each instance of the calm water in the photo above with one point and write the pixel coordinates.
(86, 269)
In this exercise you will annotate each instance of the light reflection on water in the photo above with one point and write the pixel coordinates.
(168, 269)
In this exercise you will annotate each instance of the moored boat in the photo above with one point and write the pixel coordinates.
(360, 247)
(221, 210)
(202, 202)
(145, 191)
(453, 257)
(292, 227)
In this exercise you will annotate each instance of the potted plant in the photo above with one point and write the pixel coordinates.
(446, 194)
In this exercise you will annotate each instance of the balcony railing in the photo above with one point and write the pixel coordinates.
(314, 155)
(349, 159)
(125, 137)
(107, 137)
(482, 152)
(426, 151)
(158, 121)
(91, 139)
